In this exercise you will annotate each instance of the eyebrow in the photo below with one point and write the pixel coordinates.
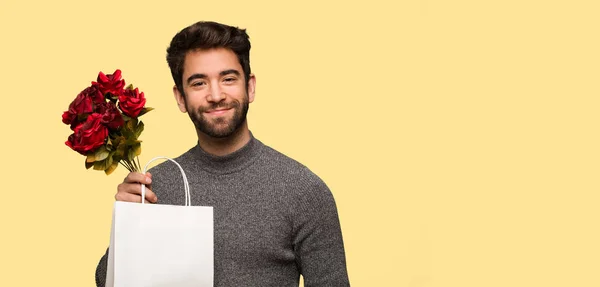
(230, 71)
(204, 76)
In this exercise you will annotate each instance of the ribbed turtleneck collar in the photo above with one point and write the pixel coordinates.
(230, 163)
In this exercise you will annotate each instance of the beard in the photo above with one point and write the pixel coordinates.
(221, 127)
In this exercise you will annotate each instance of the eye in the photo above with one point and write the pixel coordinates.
(197, 84)
(229, 80)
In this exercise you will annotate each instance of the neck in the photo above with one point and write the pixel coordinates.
(226, 145)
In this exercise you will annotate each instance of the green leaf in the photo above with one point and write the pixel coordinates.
(144, 111)
(109, 162)
(134, 123)
(89, 164)
(139, 129)
(111, 168)
(125, 117)
(120, 152)
(129, 87)
(129, 128)
(100, 165)
(132, 141)
(90, 158)
(116, 141)
(137, 149)
(127, 133)
(131, 154)
(113, 156)
(121, 148)
(101, 153)
(104, 164)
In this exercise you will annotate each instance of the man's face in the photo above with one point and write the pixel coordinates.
(216, 96)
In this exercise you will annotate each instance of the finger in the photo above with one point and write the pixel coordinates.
(136, 177)
(150, 196)
(135, 188)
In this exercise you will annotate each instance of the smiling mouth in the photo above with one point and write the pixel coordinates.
(217, 112)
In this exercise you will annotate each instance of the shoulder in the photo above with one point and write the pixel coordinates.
(277, 161)
(291, 172)
(307, 196)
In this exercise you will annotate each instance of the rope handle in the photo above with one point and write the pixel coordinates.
(188, 200)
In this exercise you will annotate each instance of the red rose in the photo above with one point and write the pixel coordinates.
(89, 135)
(111, 117)
(132, 102)
(68, 117)
(111, 83)
(78, 110)
(95, 93)
(83, 105)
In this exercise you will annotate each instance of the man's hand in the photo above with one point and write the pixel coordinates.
(131, 190)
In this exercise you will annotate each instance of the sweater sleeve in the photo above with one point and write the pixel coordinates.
(101, 270)
(318, 242)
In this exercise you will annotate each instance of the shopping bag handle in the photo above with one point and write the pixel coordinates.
(186, 186)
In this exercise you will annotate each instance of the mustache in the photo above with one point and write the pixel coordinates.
(220, 105)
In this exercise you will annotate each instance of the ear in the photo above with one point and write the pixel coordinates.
(251, 88)
(180, 99)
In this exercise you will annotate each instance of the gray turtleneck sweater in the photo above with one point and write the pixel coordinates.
(273, 218)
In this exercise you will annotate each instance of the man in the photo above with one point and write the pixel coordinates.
(273, 218)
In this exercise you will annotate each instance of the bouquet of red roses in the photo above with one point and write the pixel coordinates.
(105, 125)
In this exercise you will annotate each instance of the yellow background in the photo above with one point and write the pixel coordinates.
(460, 138)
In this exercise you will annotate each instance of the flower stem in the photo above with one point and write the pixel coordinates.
(131, 165)
(128, 168)
(135, 167)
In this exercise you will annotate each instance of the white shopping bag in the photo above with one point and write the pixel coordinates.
(161, 245)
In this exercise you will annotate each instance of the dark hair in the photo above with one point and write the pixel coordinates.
(207, 35)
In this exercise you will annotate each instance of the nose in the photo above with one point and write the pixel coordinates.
(215, 94)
